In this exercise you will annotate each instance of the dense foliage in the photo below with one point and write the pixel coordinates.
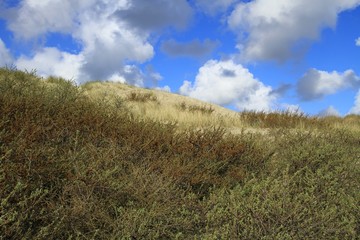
(75, 168)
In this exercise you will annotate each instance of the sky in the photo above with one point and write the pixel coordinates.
(261, 55)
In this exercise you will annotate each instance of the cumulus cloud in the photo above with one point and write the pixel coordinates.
(33, 18)
(215, 6)
(105, 55)
(225, 82)
(356, 108)
(279, 30)
(130, 74)
(195, 48)
(330, 111)
(156, 14)
(108, 41)
(152, 77)
(133, 75)
(5, 56)
(51, 61)
(357, 42)
(316, 84)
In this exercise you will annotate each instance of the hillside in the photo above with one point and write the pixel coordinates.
(110, 161)
(188, 112)
(163, 106)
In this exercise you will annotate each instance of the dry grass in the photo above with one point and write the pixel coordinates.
(74, 165)
(164, 107)
(192, 113)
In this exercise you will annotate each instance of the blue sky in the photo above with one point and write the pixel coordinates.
(254, 55)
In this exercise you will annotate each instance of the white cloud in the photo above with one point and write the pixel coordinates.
(259, 99)
(34, 18)
(5, 56)
(225, 82)
(316, 84)
(117, 78)
(151, 76)
(330, 111)
(51, 61)
(107, 42)
(356, 108)
(214, 6)
(357, 42)
(146, 15)
(279, 30)
(130, 74)
(133, 75)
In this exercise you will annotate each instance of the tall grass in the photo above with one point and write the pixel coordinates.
(72, 167)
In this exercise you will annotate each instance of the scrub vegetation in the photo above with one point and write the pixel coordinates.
(78, 162)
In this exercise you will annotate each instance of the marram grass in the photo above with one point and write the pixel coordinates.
(73, 166)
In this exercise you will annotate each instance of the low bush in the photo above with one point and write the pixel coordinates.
(75, 168)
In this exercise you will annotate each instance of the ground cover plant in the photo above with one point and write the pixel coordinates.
(195, 108)
(141, 97)
(76, 167)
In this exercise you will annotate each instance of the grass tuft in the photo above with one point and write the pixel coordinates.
(204, 109)
(141, 97)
